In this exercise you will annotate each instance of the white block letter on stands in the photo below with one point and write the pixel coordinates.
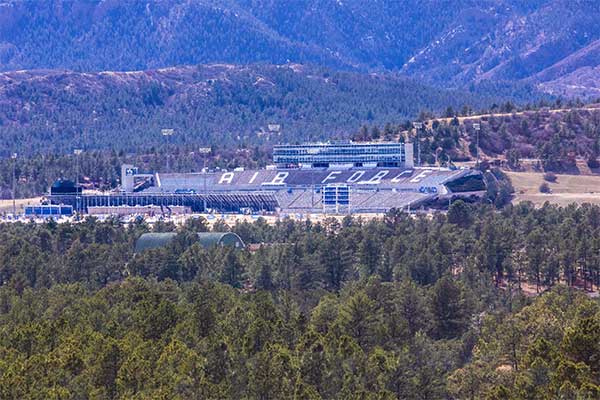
(331, 176)
(279, 178)
(253, 177)
(378, 176)
(355, 176)
(227, 177)
(397, 178)
(422, 175)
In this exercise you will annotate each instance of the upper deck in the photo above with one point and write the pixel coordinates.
(348, 154)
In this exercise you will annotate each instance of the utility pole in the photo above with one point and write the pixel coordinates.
(167, 133)
(418, 126)
(205, 151)
(477, 128)
(14, 184)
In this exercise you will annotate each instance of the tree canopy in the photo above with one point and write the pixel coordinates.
(401, 307)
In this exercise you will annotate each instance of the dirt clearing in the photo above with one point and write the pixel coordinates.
(566, 190)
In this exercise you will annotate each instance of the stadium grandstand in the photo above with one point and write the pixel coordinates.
(336, 178)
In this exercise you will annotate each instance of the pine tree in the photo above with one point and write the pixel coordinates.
(232, 269)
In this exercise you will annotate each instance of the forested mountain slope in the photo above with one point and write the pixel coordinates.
(552, 43)
(56, 111)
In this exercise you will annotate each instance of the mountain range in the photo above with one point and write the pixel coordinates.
(553, 44)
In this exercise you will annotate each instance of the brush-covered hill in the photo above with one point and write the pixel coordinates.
(550, 43)
(53, 111)
(565, 139)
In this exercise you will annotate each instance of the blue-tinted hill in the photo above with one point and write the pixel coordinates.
(551, 43)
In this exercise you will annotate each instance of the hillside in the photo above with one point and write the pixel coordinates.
(563, 139)
(549, 43)
(56, 111)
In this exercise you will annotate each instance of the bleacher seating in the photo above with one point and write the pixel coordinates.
(291, 190)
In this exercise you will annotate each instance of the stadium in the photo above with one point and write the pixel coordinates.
(332, 177)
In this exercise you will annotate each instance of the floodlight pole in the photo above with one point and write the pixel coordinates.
(77, 152)
(14, 184)
(167, 133)
(477, 128)
(418, 126)
(205, 151)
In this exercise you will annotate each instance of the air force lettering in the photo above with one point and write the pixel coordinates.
(227, 177)
(376, 179)
(353, 177)
(420, 176)
(279, 179)
(331, 176)
(253, 177)
(398, 178)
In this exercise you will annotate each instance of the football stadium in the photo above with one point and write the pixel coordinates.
(332, 177)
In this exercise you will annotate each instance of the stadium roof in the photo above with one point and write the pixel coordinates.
(206, 239)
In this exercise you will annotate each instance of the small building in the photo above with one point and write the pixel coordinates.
(65, 187)
(206, 239)
(48, 210)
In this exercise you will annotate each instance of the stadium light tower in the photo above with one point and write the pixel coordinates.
(477, 127)
(14, 183)
(418, 126)
(77, 153)
(167, 133)
(205, 151)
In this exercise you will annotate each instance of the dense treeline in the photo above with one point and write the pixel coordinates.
(520, 244)
(403, 307)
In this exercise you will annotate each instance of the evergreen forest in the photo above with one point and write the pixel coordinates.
(475, 304)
